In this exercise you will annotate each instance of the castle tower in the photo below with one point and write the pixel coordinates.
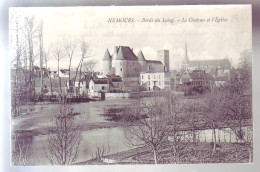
(141, 61)
(106, 63)
(116, 48)
(120, 64)
(163, 56)
(185, 62)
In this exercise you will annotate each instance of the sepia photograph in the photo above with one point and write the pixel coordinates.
(131, 85)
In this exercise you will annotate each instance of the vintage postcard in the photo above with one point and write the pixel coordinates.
(131, 85)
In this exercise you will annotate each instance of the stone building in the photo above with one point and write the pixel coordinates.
(214, 67)
(124, 63)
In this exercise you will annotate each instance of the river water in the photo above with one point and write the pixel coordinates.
(91, 114)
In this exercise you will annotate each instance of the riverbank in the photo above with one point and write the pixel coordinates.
(190, 154)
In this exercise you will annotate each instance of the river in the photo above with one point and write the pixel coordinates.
(92, 114)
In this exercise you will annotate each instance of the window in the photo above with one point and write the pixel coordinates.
(159, 82)
(121, 69)
(159, 76)
(148, 76)
(92, 87)
(153, 76)
(103, 87)
(142, 76)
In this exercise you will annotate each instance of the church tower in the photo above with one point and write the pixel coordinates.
(185, 62)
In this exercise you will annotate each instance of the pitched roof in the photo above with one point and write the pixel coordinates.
(125, 53)
(54, 82)
(140, 56)
(107, 56)
(100, 80)
(222, 63)
(198, 74)
(114, 78)
(154, 61)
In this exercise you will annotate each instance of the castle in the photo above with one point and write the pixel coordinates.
(124, 63)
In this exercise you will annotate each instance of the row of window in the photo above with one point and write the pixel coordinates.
(149, 83)
(150, 76)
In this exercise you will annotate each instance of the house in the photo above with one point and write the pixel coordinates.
(115, 83)
(51, 86)
(154, 80)
(98, 85)
(220, 81)
(64, 73)
(197, 81)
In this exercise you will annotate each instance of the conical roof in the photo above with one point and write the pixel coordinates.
(120, 55)
(125, 53)
(106, 56)
(140, 56)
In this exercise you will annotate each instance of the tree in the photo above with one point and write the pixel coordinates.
(176, 120)
(212, 114)
(21, 147)
(84, 54)
(237, 100)
(30, 31)
(151, 131)
(63, 138)
(41, 52)
(193, 115)
(89, 66)
(58, 53)
(70, 48)
(46, 56)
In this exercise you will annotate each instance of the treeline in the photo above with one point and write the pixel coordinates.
(31, 58)
(229, 106)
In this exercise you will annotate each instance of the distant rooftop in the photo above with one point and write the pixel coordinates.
(223, 63)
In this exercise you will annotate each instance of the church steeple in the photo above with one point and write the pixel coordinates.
(186, 59)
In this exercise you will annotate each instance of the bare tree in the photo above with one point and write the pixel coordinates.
(59, 54)
(89, 66)
(175, 111)
(41, 52)
(63, 138)
(30, 31)
(151, 131)
(84, 54)
(100, 152)
(70, 48)
(237, 100)
(21, 147)
(193, 111)
(212, 114)
(46, 56)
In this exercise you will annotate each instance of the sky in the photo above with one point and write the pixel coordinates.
(205, 39)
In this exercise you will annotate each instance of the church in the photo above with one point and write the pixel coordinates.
(214, 67)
